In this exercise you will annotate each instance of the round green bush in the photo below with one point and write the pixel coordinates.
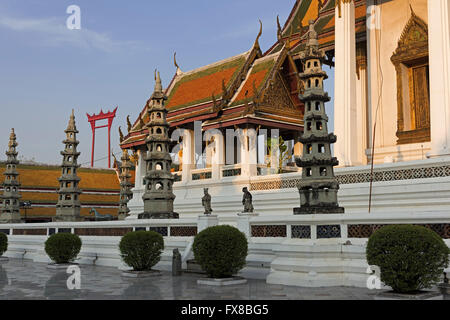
(410, 258)
(141, 250)
(63, 247)
(220, 251)
(3, 243)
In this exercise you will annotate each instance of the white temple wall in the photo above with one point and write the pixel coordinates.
(394, 16)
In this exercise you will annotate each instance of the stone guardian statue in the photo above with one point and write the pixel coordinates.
(247, 200)
(206, 202)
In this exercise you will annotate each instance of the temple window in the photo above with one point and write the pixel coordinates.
(317, 106)
(319, 125)
(316, 64)
(309, 106)
(159, 166)
(321, 148)
(159, 148)
(308, 126)
(413, 92)
(308, 149)
(309, 83)
(323, 171)
(317, 82)
(159, 186)
(158, 115)
(308, 172)
(158, 131)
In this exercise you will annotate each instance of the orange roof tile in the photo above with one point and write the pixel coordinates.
(197, 86)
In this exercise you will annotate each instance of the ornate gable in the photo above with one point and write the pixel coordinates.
(414, 38)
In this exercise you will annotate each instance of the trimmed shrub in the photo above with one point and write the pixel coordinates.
(410, 257)
(63, 247)
(3, 243)
(141, 250)
(220, 251)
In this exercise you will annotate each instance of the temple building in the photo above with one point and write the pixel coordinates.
(39, 186)
(390, 61)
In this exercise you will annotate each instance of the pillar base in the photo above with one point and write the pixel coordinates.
(206, 221)
(10, 218)
(318, 210)
(67, 218)
(162, 215)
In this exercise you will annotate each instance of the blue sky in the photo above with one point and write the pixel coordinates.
(46, 69)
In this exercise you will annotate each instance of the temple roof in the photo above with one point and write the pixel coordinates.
(252, 102)
(39, 184)
(234, 85)
(322, 12)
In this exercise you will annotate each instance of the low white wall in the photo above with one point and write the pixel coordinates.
(314, 262)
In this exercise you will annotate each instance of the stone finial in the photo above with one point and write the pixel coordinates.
(158, 85)
(12, 140)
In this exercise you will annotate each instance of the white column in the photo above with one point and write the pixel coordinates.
(249, 155)
(218, 154)
(188, 159)
(345, 121)
(298, 146)
(374, 79)
(361, 98)
(136, 204)
(439, 57)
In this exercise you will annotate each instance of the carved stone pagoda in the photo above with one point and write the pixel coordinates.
(318, 187)
(125, 185)
(10, 209)
(68, 207)
(158, 197)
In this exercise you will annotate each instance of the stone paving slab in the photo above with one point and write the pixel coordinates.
(24, 279)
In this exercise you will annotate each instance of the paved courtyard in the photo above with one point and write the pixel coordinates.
(24, 279)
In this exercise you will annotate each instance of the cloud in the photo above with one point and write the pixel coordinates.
(53, 32)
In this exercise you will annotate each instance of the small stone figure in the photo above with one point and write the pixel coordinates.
(176, 263)
(247, 200)
(206, 202)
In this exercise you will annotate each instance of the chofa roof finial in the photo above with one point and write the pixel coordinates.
(259, 34)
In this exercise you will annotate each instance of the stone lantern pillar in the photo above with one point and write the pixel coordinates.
(318, 187)
(10, 207)
(158, 197)
(69, 206)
